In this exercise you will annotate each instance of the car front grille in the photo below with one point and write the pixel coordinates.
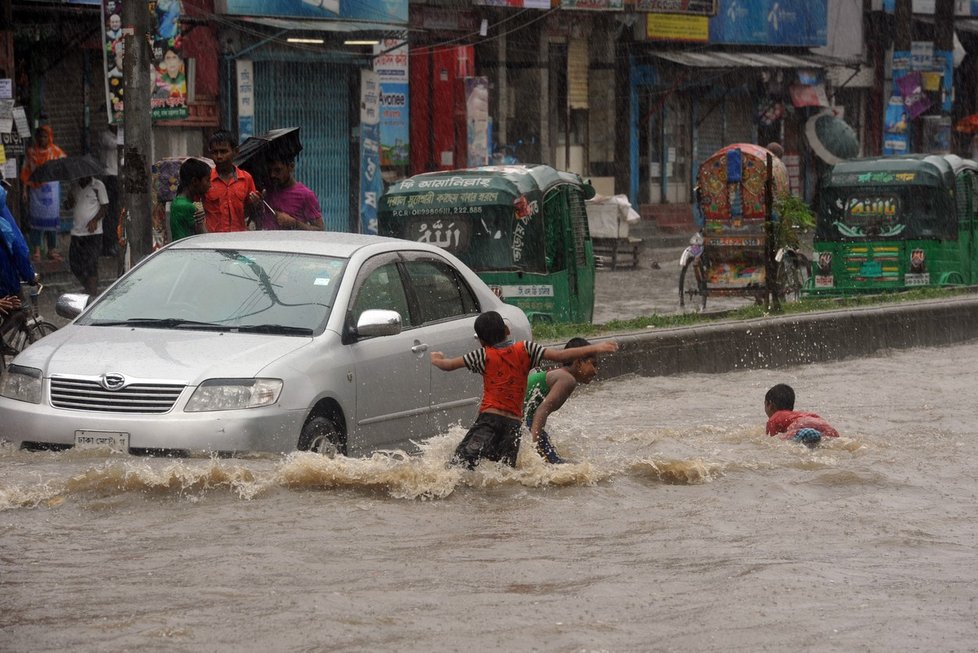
(86, 394)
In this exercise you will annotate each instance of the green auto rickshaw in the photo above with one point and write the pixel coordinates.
(892, 223)
(522, 228)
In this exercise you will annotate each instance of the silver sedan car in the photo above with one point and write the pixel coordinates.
(259, 341)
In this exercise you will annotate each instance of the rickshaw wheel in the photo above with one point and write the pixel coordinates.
(694, 285)
(793, 273)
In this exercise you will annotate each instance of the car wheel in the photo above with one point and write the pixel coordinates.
(320, 434)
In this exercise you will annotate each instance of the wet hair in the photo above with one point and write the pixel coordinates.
(571, 344)
(278, 157)
(222, 136)
(191, 169)
(490, 328)
(781, 396)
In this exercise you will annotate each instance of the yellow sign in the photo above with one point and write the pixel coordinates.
(677, 27)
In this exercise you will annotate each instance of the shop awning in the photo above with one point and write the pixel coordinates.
(742, 59)
(300, 25)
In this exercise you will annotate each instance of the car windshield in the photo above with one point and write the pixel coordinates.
(226, 290)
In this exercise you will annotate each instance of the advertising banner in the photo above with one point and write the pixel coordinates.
(371, 184)
(391, 66)
(168, 98)
(692, 7)
(771, 22)
(896, 134)
(677, 27)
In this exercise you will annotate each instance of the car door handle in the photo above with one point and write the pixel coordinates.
(419, 348)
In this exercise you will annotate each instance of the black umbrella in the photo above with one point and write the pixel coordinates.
(831, 138)
(254, 153)
(67, 168)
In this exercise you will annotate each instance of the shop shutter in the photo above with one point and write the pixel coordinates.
(710, 132)
(740, 119)
(577, 71)
(314, 97)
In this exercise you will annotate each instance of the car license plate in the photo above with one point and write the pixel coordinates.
(110, 439)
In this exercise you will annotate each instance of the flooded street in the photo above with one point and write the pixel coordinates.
(680, 527)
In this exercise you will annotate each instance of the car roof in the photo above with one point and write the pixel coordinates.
(326, 243)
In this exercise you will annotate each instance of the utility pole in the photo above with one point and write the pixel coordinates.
(902, 43)
(944, 43)
(138, 127)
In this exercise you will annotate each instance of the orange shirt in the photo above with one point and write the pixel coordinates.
(504, 370)
(224, 203)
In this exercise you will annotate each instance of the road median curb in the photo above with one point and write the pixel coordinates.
(784, 341)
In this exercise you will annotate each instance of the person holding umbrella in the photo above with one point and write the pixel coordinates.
(232, 189)
(43, 199)
(289, 204)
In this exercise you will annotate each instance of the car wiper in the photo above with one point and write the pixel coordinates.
(163, 323)
(280, 329)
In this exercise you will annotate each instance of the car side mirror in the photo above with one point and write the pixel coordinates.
(70, 305)
(377, 322)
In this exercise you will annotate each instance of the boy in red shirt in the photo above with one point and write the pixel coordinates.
(504, 366)
(789, 424)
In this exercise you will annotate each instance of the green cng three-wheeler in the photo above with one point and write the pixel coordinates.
(892, 223)
(522, 228)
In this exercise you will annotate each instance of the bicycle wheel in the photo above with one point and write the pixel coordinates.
(692, 287)
(37, 330)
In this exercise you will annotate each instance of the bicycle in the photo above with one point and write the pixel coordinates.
(692, 260)
(31, 328)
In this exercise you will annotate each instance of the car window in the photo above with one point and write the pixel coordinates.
(441, 291)
(382, 289)
(229, 288)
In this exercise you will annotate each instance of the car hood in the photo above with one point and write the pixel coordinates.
(162, 354)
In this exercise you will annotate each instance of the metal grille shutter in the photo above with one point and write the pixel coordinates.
(710, 134)
(577, 71)
(286, 96)
(740, 119)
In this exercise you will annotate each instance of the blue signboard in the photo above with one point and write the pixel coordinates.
(927, 7)
(383, 11)
(771, 22)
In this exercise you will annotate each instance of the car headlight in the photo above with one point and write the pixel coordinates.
(21, 383)
(233, 394)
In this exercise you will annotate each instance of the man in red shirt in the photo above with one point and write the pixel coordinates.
(232, 192)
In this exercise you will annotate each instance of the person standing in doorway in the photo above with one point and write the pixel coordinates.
(232, 194)
(89, 202)
(43, 200)
(290, 204)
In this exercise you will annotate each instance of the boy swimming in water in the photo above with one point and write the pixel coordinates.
(504, 366)
(546, 392)
(789, 424)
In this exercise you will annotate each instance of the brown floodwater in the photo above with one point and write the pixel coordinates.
(680, 527)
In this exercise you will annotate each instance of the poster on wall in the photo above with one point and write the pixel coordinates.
(896, 133)
(391, 66)
(168, 94)
(244, 71)
(371, 184)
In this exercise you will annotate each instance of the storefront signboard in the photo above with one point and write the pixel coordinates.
(382, 11)
(391, 62)
(771, 22)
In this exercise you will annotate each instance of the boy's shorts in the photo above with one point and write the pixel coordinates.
(83, 255)
(493, 437)
(808, 436)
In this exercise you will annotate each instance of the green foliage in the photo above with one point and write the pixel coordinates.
(794, 217)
